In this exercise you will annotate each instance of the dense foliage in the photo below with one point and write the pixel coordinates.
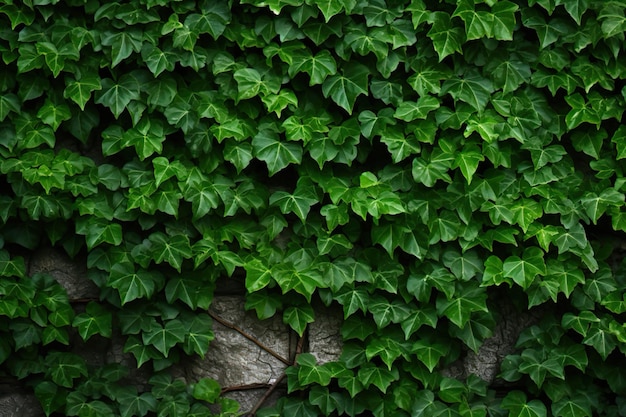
(420, 163)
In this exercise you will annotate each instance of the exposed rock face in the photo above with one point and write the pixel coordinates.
(246, 357)
(20, 404)
(70, 274)
(486, 363)
(325, 341)
(240, 363)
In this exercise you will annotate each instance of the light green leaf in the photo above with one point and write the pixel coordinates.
(595, 205)
(249, 83)
(258, 275)
(54, 114)
(304, 282)
(508, 73)
(207, 389)
(157, 60)
(464, 266)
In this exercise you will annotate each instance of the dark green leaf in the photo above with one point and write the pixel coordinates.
(275, 153)
(344, 88)
(447, 39)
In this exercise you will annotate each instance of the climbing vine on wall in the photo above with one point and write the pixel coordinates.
(419, 163)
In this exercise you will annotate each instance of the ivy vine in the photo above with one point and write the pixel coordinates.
(418, 163)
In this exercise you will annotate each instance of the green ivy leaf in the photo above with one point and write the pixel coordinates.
(95, 320)
(446, 38)
(459, 308)
(430, 352)
(132, 403)
(344, 88)
(299, 203)
(297, 317)
(537, 366)
(117, 96)
(207, 389)
(304, 281)
(9, 103)
(471, 88)
(79, 90)
(165, 337)
(98, 231)
(370, 374)
(572, 407)
(309, 372)
(603, 341)
(467, 161)
(122, 43)
(409, 111)
(353, 299)
(141, 351)
(464, 266)
(580, 323)
(213, 19)
(173, 249)
(595, 205)
(65, 367)
(524, 270)
(275, 153)
(517, 404)
(318, 66)
(418, 318)
(263, 303)
(190, 291)
(198, 337)
(133, 284)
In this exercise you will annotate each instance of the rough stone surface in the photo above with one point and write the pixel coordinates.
(70, 274)
(486, 362)
(242, 365)
(20, 404)
(236, 361)
(325, 342)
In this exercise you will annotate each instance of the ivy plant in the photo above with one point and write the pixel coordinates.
(418, 163)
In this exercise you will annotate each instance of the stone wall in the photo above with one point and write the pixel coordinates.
(247, 357)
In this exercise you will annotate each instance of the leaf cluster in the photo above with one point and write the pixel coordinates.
(418, 163)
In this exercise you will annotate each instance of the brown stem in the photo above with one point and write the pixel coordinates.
(265, 396)
(249, 337)
(245, 387)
